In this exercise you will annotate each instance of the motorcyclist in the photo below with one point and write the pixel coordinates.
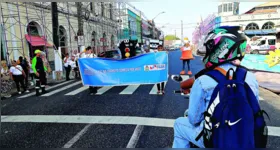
(225, 48)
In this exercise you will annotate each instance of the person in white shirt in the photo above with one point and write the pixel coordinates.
(89, 54)
(67, 67)
(31, 74)
(74, 67)
(18, 76)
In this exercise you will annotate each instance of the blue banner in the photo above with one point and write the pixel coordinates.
(148, 68)
(257, 62)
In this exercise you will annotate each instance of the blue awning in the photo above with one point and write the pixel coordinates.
(260, 32)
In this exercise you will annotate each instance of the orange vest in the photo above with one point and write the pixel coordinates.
(186, 53)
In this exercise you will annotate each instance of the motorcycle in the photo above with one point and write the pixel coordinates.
(185, 87)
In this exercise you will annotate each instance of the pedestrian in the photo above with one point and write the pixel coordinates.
(186, 57)
(74, 69)
(31, 73)
(46, 64)
(6, 82)
(18, 75)
(160, 86)
(89, 54)
(40, 72)
(25, 66)
(67, 66)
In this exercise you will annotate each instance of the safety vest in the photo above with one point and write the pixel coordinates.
(186, 53)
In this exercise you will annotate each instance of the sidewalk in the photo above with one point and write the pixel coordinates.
(269, 81)
(50, 81)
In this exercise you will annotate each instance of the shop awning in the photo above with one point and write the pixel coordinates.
(37, 41)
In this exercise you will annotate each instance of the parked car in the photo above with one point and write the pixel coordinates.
(115, 54)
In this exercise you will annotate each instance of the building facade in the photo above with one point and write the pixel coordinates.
(28, 26)
(260, 20)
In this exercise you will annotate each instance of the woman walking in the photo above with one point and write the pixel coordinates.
(18, 75)
(6, 82)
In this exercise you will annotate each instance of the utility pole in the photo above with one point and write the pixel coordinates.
(55, 24)
(175, 34)
(182, 34)
(80, 24)
(141, 29)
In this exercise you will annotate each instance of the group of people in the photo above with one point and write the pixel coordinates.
(71, 64)
(21, 70)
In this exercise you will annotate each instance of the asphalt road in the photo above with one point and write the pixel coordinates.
(140, 119)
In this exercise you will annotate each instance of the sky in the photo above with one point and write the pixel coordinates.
(187, 10)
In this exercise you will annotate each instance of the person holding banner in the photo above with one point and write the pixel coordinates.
(89, 54)
(160, 86)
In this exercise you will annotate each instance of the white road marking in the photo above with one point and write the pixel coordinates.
(185, 77)
(135, 136)
(122, 120)
(33, 93)
(61, 89)
(261, 99)
(129, 89)
(77, 137)
(103, 90)
(154, 89)
(77, 90)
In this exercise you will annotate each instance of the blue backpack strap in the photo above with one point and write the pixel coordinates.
(241, 74)
(216, 75)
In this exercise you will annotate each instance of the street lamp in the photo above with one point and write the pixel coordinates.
(154, 22)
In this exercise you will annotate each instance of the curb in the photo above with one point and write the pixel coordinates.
(270, 97)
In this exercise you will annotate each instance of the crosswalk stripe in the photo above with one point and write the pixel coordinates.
(33, 93)
(115, 120)
(154, 89)
(103, 90)
(129, 89)
(81, 89)
(61, 89)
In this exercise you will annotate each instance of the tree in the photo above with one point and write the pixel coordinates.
(171, 37)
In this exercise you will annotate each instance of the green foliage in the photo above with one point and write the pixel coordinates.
(171, 37)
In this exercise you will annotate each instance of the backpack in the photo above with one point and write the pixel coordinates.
(233, 118)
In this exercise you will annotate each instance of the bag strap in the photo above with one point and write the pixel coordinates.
(217, 75)
(241, 73)
(23, 73)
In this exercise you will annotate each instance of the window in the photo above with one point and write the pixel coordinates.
(268, 25)
(230, 7)
(225, 7)
(2, 52)
(252, 26)
(102, 9)
(261, 43)
(91, 6)
(220, 8)
(271, 42)
(32, 29)
(111, 11)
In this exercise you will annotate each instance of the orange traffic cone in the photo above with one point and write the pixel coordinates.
(183, 72)
(189, 73)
